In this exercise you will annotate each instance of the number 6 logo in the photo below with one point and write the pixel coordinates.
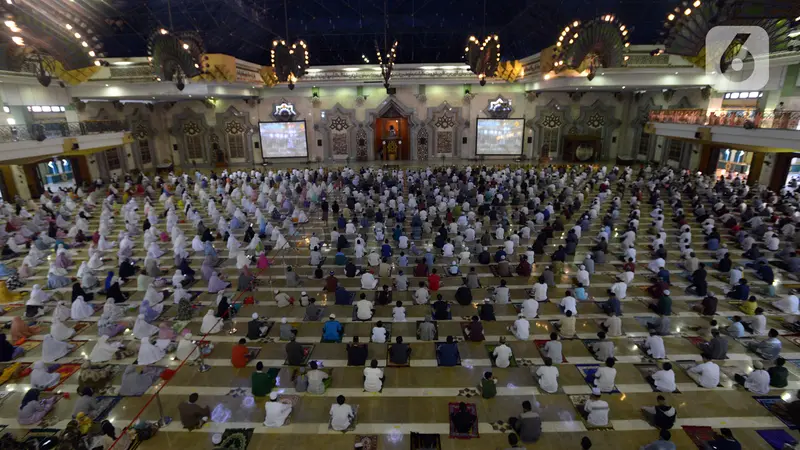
(737, 58)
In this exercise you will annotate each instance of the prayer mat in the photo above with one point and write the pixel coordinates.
(152, 372)
(696, 341)
(106, 404)
(353, 422)
(238, 438)
(436, 346)
(730, 372)
(80, 326)
(8, 308)
(578, 402)
(643, 320)
(391, 364)
(468, 392)
(769, 402)
(435, 333)
(639, 343)
(420, 441)
(490, 350)
(588, 371)
(540, 343)
(449, 313)
(517, 307)
(777, 438)
(292, 400)
(30, 344)
(793, 339)
(77, 346)
(15, 371)
(452, 408)
(65, 371)
(699, 435)
(794, 327)
(179, 325)
(367, 442)
(388, 326)
(588, 344)
(795, 362)
(501, 426)
(534, 368)
(307, 349)
(40, 435)
(647, 370)
(253, 353)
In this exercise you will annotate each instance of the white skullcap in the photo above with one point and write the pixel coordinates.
(216, 439)
(283, 320)
(595, 391)
(273, 395)
(666, 292)
(254, 316)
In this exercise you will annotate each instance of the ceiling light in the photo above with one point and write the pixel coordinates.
(18, 40)
(97, 63)
(627, 44)
(84, 44)
(186, 46)
(671, 17)
(163, 31)
(676, 73)
(69, 27)
(623, 87)
(575, 24)
(106, 85)
(687, 11)
(77, 35)
(547, 76)
(696, 4)
(10, 24)
(11, 121)
(91, 53)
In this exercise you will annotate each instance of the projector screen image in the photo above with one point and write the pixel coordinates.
(500, 136)
(283, 139)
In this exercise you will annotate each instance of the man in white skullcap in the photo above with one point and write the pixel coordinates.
(282, 299)
(276, 412)
(256, 329)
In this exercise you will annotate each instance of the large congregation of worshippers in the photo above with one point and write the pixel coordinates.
(484, 307)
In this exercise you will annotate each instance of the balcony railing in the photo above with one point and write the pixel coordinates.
(780, 120)
(51, 130)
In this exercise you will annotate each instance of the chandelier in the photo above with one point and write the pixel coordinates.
(584, 47)
(483, 58)
(386, 63)
(290, 63)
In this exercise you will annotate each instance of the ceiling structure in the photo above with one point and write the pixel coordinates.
(345, 31)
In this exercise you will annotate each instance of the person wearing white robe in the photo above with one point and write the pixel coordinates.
(149, 353)
(276, 412)
(583, 276)
(42, 379)
(52, 349)
(104, 351)
(83, 269)
(233, 246)
(242, 260)
(177, 279)
(788, 305)
(80, 309)
(368, 281)
(143, 330)
(154, 297)
(104, 245)
(211, 324)
(96, 262)
(197, 244)
(62, 312)
(186, 349)
(154, 251)
(60, 331)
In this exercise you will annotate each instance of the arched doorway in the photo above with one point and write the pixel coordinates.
(394, 129)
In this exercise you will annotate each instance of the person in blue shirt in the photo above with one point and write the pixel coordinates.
(580, 292)
(663, 275)
(499, 255)
(764, 272)
(663, 443)
(341, 222)
(402, 261)
(397, 232)
(386, 249)
(448, 353)
(735, 329)
(740, 292)
(332, 331)
(612, 306)
(340, 259)
(343, 296)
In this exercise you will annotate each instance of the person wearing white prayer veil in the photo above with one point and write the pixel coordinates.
(104, 351)
(177, 279)
(186, 349)
(233, 246)
(104, 245)
(96, 261)
(242, 260)
(42, 379)
(80, 309)
(143, 330)
(153, 296)
(61, 331)
(57, 277)
(52, 349)
(211, 324)
(154, 251)
(149, 353)
(62, 311)
(197, 244)
(84, 267)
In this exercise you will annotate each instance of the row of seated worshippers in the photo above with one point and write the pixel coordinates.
(486, 193)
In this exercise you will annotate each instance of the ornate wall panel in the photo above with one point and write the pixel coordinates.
(339, 131)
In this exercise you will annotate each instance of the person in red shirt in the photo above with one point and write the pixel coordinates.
(434, 281)
(331, 283)
(421, 270)
(240, 355)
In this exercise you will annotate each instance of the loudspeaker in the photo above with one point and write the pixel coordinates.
(530, 139)
(256, 144)
(613, 139)
(174, 147)
(75, 146)
(319, 142)
(463, 140)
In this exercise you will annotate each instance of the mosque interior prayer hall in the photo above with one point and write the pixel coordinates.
(399, 225)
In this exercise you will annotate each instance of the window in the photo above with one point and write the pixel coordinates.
(144, 151)
(644, 144)
(675, 150)
(194, 147)
(236, 145)
(112, 158)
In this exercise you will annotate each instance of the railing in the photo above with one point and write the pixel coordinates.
(780, 120)
(51, 130)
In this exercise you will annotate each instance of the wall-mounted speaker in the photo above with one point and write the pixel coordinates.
(256, 144)
(463, 140)
(613, 139)
(174, 147)
(319, 142)
(530, 139)
(75, 146)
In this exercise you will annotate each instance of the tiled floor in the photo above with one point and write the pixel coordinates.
(415, 398)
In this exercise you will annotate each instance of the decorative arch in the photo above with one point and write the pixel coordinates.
(234, 133)
(444, 127)
(599, 120)
(391, 107)
(145, 155)
(193, 135)
(643, 143)
(342, 134)
(549, 125)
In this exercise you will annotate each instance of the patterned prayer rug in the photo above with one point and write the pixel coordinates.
(452, 408)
